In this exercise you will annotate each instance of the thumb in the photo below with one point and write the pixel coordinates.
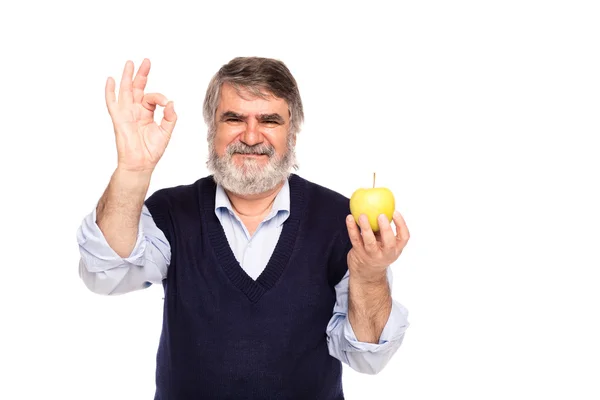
(169, 118)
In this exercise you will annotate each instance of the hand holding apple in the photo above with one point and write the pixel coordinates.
(371, 254)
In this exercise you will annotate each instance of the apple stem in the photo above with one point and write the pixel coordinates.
(373, 179)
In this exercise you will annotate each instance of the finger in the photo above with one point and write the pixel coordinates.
(151, 100)
(139, 82)
(368, 237)
(169, 118)
(125, 94)
(354, 233)
(387, 237)
(402, 233)
(109, 95)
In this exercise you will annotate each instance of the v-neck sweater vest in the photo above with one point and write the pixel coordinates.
(227, 336)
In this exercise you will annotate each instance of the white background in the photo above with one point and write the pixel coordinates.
(480, 116)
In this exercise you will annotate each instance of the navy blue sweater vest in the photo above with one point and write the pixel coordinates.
(227, 336)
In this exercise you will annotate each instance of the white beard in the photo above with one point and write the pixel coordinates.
(251, 177)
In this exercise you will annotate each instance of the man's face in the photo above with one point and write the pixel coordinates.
(251, 151)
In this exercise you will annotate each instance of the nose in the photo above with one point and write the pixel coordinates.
(251, 134)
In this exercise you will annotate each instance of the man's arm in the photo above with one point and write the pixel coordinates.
(369, 306)
(105, 272)
(119, 209)
(364, 356)
(107, 265)
(141, 142)
(371, 312)
(368, 261)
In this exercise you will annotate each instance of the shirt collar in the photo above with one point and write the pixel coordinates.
(280, 209)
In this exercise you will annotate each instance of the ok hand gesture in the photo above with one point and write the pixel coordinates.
(141, 142)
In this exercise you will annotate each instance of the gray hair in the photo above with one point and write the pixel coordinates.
(257, 75)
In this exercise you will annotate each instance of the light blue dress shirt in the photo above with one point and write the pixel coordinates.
(103, 271)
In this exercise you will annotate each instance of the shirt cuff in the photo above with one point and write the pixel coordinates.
(98, 254)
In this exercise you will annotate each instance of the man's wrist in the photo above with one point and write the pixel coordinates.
(367, 278)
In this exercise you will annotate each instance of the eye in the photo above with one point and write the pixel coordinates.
(271, 122)
(233, 119)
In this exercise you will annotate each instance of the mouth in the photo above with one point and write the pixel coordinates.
(251, 155)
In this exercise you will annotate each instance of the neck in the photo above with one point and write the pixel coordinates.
(253, 205)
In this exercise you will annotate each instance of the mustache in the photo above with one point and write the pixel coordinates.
(258, 149)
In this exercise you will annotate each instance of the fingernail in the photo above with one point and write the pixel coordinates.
(382, 218)
(349, 218)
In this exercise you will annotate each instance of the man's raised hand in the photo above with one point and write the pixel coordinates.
(141, 142)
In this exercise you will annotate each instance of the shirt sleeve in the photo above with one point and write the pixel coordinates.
(104, 272)
(368, 358)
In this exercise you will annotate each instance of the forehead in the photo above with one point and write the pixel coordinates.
(245, 102)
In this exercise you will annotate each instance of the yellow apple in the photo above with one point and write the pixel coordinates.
(372, 202)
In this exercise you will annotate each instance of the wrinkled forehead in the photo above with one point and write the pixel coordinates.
(250, 99)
